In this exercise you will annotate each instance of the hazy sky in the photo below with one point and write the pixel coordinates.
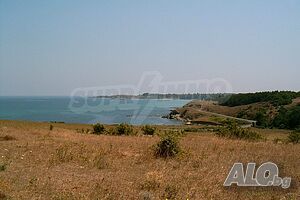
(52, 47)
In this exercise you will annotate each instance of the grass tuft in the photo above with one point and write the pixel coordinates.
(170, 192)
(294, 137)
(100, 162)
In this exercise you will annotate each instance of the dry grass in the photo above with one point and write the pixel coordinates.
(65, 164)
(6, 138)
(295, 102)
(192, 109)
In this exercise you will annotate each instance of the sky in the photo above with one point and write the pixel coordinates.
(53, 47)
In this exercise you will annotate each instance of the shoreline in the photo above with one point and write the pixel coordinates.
(84, 124)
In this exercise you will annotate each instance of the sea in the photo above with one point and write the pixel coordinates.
(89, 110)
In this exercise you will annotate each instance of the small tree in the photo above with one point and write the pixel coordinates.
(98, 128)
(168, 146)
(261, 118)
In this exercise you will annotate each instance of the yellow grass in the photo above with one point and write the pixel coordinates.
(66, 164)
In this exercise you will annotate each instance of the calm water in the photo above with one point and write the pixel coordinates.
(88, 110)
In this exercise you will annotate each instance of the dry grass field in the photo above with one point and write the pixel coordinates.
(67, 163)
(192, 108)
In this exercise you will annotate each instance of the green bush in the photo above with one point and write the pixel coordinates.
(168, 146)
(287, 118)
(294, 117)
(294, 137)
(261, 118)
(281, 119)
(148, 130)
(124, 129)
(98, 129)
(233, 131)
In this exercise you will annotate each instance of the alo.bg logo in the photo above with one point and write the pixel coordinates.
(266, 175)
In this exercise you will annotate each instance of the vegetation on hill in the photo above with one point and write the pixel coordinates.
(233, 131)
(276, 98)
(281, 117)
(287, 118)
(275, 112)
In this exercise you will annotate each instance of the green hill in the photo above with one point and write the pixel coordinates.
(276, 98)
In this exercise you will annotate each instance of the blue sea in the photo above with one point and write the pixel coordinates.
(89, 110)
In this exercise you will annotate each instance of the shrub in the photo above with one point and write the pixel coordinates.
(294, 117)
(261, 118)
(124, 129)
(2, 167)
(98, 129)
(51, 127)
(281, 119)
(168, 146)
(233, 131)
(148, 130)
(294, 137)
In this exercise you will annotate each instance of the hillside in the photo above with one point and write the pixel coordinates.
(285, 114)
(276, 98)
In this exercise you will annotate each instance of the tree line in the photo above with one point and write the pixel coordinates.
(286, 117)
(276, 98)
